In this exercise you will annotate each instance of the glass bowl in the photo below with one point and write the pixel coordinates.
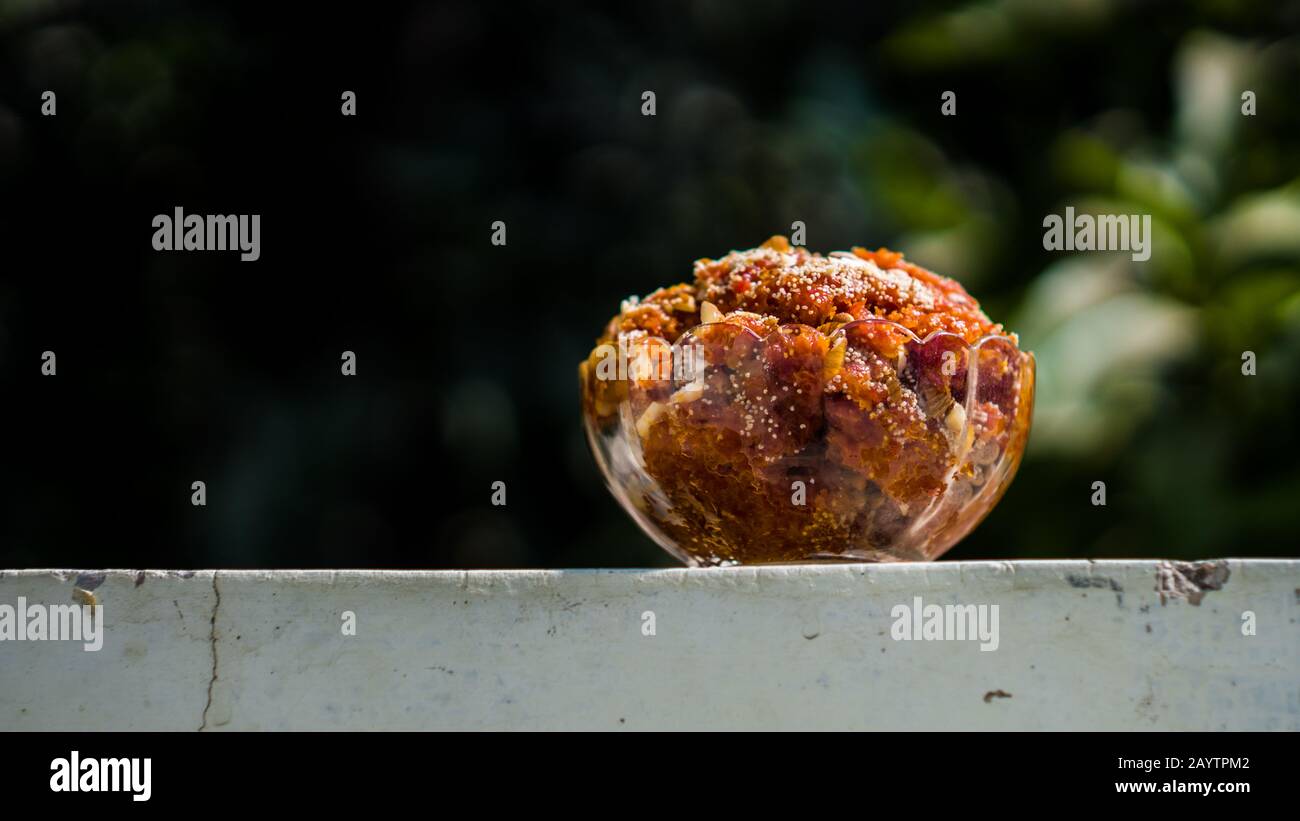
(867, 443)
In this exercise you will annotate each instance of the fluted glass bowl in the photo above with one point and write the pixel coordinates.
(865, 444)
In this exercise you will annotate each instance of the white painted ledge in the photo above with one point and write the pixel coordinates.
(1082, 645)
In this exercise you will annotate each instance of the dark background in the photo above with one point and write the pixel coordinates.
(176, 367)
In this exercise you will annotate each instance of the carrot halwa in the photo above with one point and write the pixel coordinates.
(789, 406)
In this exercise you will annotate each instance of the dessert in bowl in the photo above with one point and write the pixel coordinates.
(788, 406)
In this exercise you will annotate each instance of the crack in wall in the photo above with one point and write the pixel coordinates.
(212, 642)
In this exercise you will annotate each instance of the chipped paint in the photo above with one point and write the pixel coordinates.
(1190, 580)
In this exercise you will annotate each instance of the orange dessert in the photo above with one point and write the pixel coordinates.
(789, 406)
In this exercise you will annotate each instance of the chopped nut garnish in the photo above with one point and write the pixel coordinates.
(956, 418)
(834, 359)
(649, 417)
(688, 393)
